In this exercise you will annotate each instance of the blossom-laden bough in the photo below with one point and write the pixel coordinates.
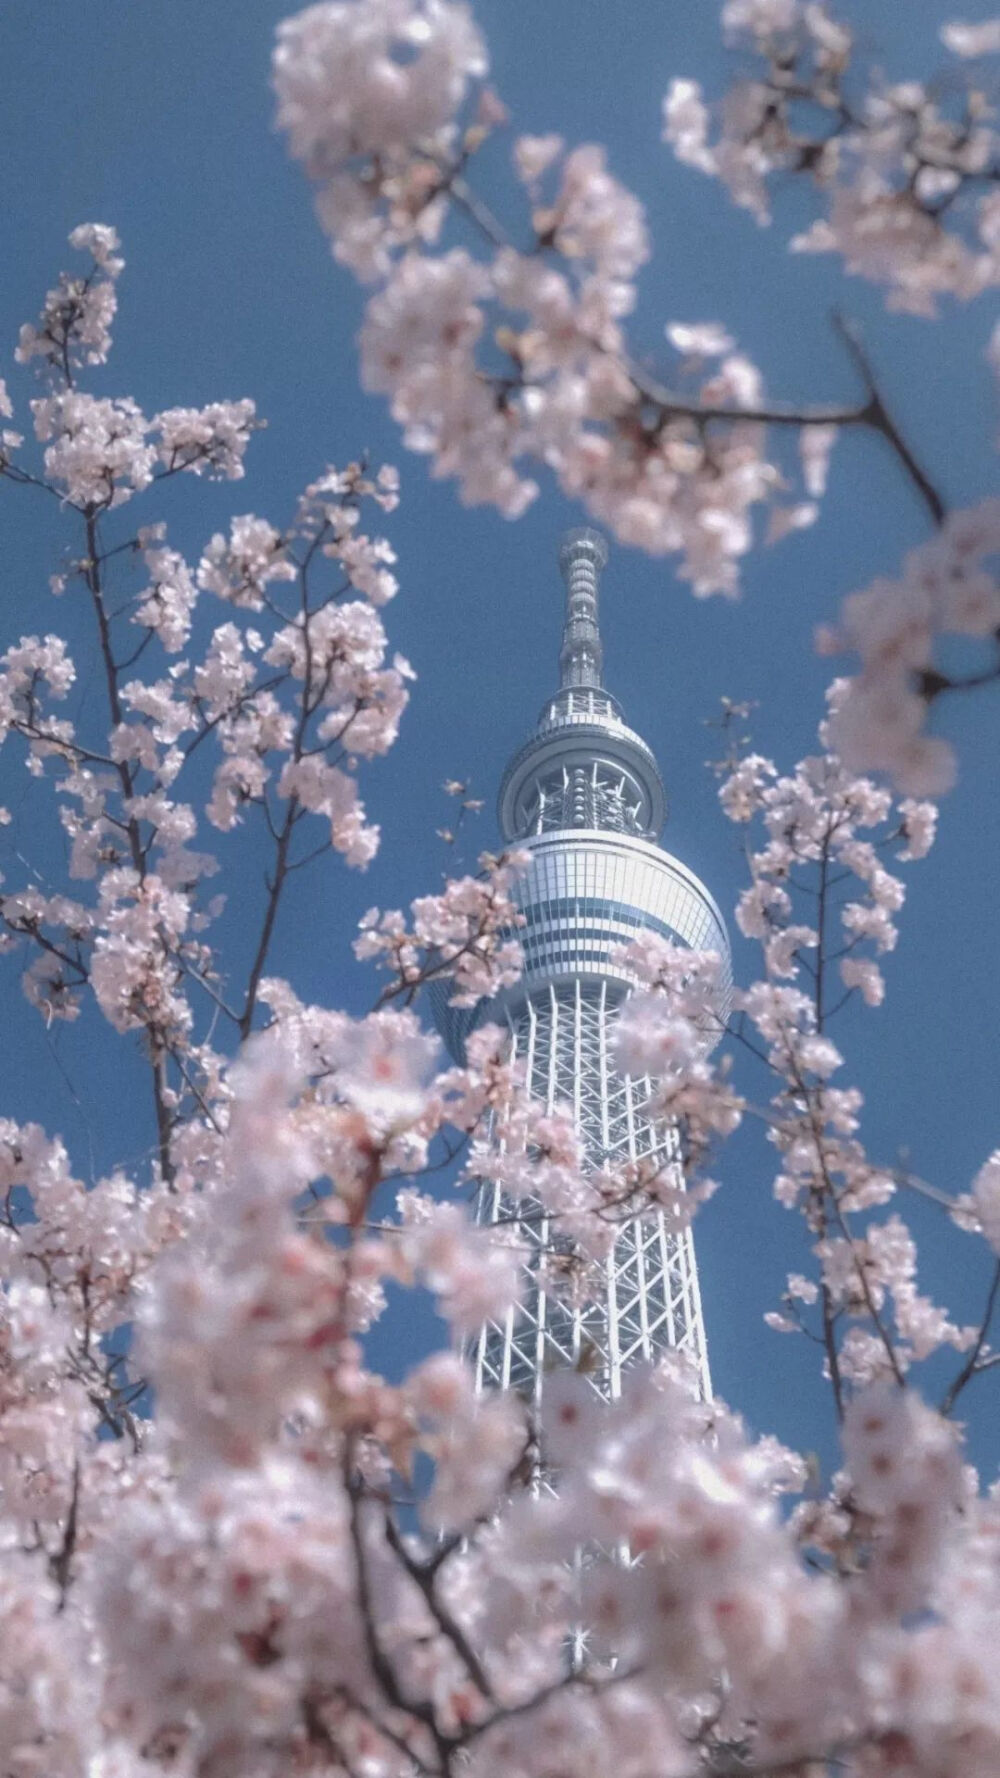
(503, 348)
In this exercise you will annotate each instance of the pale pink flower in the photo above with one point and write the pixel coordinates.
(986, 1199)
(863, 973)
(533, 155)
(972, 40)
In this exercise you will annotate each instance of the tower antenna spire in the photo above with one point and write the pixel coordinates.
(582, 555)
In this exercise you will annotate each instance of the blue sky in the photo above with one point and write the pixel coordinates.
(157, 118)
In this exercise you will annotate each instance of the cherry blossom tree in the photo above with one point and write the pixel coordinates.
(231, 1546)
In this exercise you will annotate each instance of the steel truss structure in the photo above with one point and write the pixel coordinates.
(584, 799)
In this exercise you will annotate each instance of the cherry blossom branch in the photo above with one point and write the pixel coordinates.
(157, 1054)
(213, 993)
(931, 683)
(311, 700)
(672, 405)
(972, 1363)
(23, 479)
(829, 1199)
(878, 415)
(320, 1735)
(381, 1664)
(61, 1562)
(988, 1363)
(424, 1575)
(275, 888)
(873, 413)
(900, 165)
(61, 744)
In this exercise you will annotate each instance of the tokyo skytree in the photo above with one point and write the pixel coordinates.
(584, 798)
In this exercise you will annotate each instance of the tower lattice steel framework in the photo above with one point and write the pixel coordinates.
(584, 798)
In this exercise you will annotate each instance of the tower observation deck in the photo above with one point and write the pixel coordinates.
(584, 798)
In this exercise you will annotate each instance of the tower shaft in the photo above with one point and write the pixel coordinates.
(650, 1299)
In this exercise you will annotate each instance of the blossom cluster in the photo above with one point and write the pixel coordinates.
(465, 937)
(822, 904)
(948, 587)
(244, 1588)
(907, 171)
(102, 450)
(664, 1036)
(74, 327)
(512, 351)
(505, 356)
(291, 692)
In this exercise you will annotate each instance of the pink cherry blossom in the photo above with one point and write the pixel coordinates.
(74, 327)
(972, 40)
(899, 168)
(986, 1199)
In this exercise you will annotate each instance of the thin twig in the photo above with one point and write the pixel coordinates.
(972, 1362)
(877, 415)
(424, 1577)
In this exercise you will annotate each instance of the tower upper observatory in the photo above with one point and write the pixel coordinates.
(583, 798)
